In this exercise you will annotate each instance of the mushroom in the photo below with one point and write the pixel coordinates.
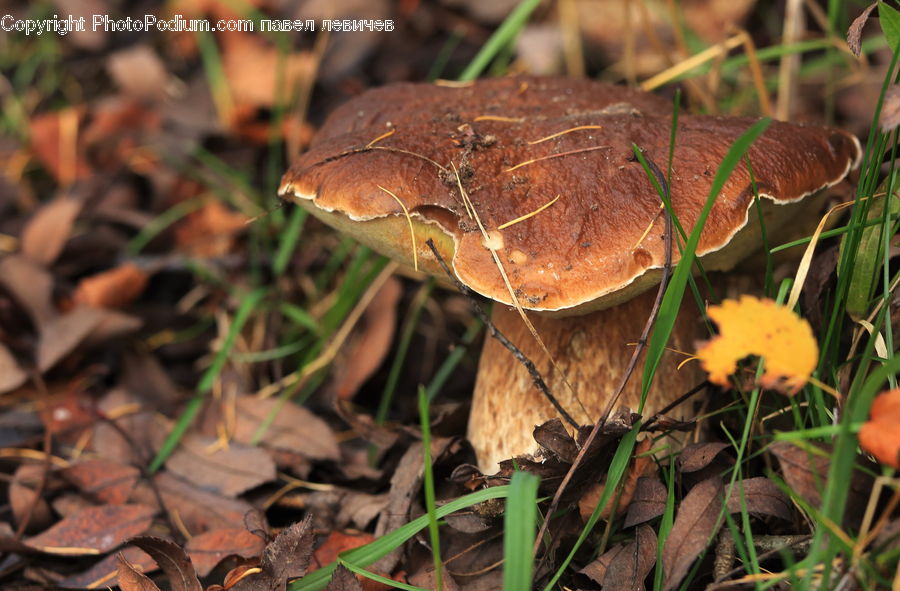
(538, 174)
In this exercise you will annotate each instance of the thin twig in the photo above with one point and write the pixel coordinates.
(638, 350)
(539, 382)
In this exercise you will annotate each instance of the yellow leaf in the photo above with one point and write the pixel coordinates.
(753, 326)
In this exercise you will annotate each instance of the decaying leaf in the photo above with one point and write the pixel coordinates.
(625, 566)
(105, 572)
(636, 469)
(806, 469)
(173, 561)
(343, 579)
(696, 523)
(648, 502)
(131, 579)
(210, 231)
(753, 326)
(94, 530)
(855, 31)
(208, 549)
(890, 110)
(761, 497)
(24, 499)
(699, 455)
(103, 480)
(880, 435)
(228, 471)
(286, 557)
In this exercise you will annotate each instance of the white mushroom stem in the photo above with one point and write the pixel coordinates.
(593, 351)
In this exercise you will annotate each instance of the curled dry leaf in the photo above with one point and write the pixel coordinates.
(880, 435)
(94, 530)
(286, 557)
(855, 31)
(105, 572)
(131, 579)
(753, 326)
(113, 288)
(31, 286)
(173, 561)
(294, 429)
(639, 465)
(695, 526)
(209, 549)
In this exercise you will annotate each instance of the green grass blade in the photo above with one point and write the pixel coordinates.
(366, 555)
(430, 505)
(193, 407)
(617, 469)
(519, 522)
(502, 37)
(381, 579)
(288, 240)
(671, 303)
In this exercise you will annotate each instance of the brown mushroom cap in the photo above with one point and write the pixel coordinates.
(591, 248)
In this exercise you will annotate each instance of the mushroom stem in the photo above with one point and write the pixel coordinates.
(592, 351)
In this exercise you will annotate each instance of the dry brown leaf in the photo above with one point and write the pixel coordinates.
(24, 499)
(855, 31)
(286, 557)
(806, 471)
(113, 288)
(648, 502)
(294, 429)
(48, 230)
(130, 578)
(210, 231)
(199, 510)
(371, 342)
(138, 71)
(627, 565)
(252, 68)
(94, 530)
(338, 542)
(173, 561)
(11, 375)
(62, 335)
(890, 110)
(636, 469)
(105, 572)
(229, 471)
(103, 480)
(880, 435)
(209, 549)
(343, 579)
(696, 523)
(55, 149)
(31, 286)
(699, 455)
(761, 497)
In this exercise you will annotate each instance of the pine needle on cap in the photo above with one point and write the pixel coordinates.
(564, 132)
(412, 234)
(522, 218)
(561, 154)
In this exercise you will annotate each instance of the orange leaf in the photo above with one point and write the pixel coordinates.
(209, 231)
(880, 436)
(115, 288)
(753, 326)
